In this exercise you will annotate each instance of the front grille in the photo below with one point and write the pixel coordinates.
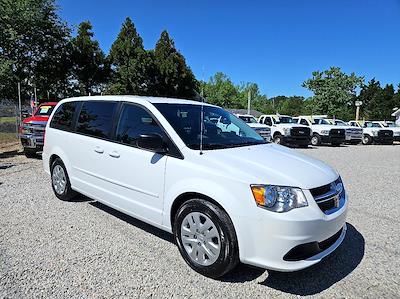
(337, 133)
(328, 197)
(300, 132)
(385, 133)
(264, 133)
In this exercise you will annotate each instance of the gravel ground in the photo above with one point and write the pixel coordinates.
(50, 248)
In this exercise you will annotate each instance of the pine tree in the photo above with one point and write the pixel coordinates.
(131, 63)
(90, 67)
(174, 77)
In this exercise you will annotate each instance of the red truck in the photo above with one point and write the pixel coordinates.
(31, 131)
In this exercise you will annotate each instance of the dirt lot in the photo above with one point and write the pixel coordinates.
(50, 248)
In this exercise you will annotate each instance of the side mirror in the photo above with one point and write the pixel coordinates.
(152, 142)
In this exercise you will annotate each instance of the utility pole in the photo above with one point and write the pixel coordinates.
(34, 91)
(248, 102)
(19, 102)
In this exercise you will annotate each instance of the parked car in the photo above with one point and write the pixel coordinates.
(354, 135)
(373, 132)
(285, 130)
(32, 129)
(225, 196)
(322, 131)
(261, 129)
(390, 125)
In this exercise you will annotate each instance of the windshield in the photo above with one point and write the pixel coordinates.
(285, 120)
(320, 121)
(248, 119)
(220, 128)
(44, 110)
(390, 125)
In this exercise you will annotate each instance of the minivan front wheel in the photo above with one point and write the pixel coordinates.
(206, 238)
(60, 181)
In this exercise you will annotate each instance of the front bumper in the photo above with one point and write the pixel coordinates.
(267, 239)
(383, 139)
(32, 141)
(333, 139)
(298, 140)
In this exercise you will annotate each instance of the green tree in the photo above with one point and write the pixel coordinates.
(130, 62)
(334, 91)
(89, 65)
(33, 47)
(378, 102)
(219, 90)
(174, 77)
(293, 105)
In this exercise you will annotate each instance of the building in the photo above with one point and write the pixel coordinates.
(396, 114)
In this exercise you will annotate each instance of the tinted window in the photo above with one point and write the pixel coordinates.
(135, 121)
(95, 118)
(62, 118)
(303, 122)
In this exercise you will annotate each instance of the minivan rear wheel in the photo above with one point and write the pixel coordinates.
(60, 181)
(206, 238)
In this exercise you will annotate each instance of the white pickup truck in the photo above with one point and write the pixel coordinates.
(373, 132)
(354, 135)
(322, 130)
(285, 130)
(262, 130)
(390, 125)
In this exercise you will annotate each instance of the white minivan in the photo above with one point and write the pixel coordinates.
(226, 195)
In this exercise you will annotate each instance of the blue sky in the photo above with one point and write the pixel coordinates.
(276, 44)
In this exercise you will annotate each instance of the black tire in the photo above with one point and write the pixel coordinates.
(366, 140)
(30, 153)
(68, 194)
(315, 140)
(278, 139)
(228, 257)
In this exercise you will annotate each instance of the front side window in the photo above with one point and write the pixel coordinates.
(62, 118)
(95, 118)
(340, 123)
(133, 122)
(220, 128)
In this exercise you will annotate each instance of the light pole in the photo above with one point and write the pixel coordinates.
(358, 105)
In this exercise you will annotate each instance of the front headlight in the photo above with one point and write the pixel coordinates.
(25, 129)
(278, 198)
(325, 132)
(286, 131)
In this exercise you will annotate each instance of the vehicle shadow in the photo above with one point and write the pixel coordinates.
(310, 281)
(10, 154)
(135, 222)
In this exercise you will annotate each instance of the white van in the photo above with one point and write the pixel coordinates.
(225, 196)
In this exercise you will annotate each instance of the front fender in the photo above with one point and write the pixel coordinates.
(232, 201)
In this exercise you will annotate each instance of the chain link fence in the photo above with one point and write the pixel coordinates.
(9, 122)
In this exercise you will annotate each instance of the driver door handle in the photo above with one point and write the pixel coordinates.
(114, 154)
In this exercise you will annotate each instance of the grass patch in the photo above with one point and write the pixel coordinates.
(8, 119)
(8, 138)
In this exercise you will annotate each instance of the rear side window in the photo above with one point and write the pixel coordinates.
(62, 118)
(135, 121)
(95, 119)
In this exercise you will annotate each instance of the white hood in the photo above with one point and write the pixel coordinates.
(257, 125)
(290, 126)
(270, 164)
